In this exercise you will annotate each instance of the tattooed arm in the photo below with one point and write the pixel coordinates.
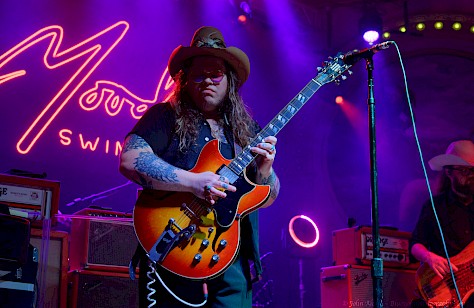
(271, 179)
(140, 164)
(265, 175)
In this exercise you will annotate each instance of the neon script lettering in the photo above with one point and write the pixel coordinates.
(92, 52)
(67, 137)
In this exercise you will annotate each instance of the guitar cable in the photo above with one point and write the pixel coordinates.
(461, 305)
(153, 291)
(149, 297)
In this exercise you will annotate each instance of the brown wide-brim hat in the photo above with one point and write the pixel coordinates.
(458, 153)
(208, 41)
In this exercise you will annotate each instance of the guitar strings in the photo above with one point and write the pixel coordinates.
(463, 272)
(195, 209)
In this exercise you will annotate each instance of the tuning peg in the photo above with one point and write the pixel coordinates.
(330, 58)
(337, 81)
(349, 72)
(343, 77)
(319, 68)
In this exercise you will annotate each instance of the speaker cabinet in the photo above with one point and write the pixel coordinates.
(96, 289)
(18, 288)
(101, 244)
(347, 286)
(55, 291)
(14, 242)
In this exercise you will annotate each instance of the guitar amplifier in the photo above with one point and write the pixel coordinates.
(100, 212)
(96, 289)
(349, 286)
(102, 243)
(55, 290)
(35, 199)
(355, 246)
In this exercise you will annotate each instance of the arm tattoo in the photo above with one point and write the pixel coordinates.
(135, 142)
(143, 182)
(156, 168)
(271, 180)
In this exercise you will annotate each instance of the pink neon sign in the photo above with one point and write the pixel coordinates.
(92, 53)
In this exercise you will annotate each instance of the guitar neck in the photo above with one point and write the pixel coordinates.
(239, 163)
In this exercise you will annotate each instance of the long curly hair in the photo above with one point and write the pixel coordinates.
(443, 182)
(233, 112)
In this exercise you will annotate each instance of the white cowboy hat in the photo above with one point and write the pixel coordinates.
(458, 153)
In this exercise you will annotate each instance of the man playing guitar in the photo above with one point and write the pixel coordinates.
(454, 206)
(204, 124)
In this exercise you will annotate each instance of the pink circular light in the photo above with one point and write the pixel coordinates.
(296, 239)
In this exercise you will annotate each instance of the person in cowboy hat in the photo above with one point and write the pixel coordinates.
(166, 143)
(454, 206)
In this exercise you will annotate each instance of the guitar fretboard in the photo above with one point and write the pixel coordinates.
(332, 70)
(242, 160)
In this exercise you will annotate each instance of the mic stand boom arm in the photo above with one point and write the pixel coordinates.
(100, 195)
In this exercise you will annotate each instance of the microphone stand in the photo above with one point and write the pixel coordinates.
(100, 195)
(377, 262)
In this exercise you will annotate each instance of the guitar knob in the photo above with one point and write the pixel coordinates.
(205, 243)
(215, 258)
(197, 257)
(210, 230)
(223, 243)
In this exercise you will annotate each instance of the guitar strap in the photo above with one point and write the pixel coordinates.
(139, 252)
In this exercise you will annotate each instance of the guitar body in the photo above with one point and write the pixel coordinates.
(215, 241)
(439, 292)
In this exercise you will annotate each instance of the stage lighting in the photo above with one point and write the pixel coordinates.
(302, 230)
(420, 26)
(438, 25)
(457, 26)
(370, 25)
(245, 12)
(242, 19)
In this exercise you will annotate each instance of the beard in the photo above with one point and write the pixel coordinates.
(464, 186)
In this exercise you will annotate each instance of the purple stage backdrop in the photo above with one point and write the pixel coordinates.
(76, 75)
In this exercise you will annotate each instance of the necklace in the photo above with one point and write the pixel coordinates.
(216, 130)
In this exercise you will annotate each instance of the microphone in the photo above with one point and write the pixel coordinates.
(352, 57)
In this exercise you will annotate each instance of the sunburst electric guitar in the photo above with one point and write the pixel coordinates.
(189, 237)
(439, 292)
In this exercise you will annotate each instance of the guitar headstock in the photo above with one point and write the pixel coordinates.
(333, 70)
